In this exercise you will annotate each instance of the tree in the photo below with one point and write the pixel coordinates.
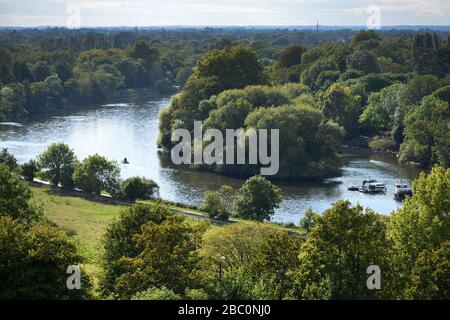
(143, 50)
(421, 224)
(341, 246)
(427, 134)
(118, 240)
(341, 105)
(15, 197)
(96, 174)
(234, 67)
(169, 258)
(8, 159)
(57, 164)
(308, 143)
(138, 188)
(431, 275)
(378, 116)
(364, 61)
(212, 204)
(29, 170)
(257, 199)
(291, 56)
(34, 261)
(249, 261)
(277, 263)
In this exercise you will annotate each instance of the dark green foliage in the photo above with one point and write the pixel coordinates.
(427, 134)
(118, 240)
(339, 248)
(57, 164)
(15, 196)
(34, 261)
(138, 188)
(96, 174)
(8, 159)
(291, 56)
(169, 258)
(257, 199)
(29, 170)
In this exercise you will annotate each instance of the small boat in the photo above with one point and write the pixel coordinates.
(402, 190)
(359, 188)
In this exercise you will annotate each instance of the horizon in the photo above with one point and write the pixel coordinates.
(221, 13)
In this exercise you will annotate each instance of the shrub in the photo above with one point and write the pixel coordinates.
(29, 170)
(138, 188)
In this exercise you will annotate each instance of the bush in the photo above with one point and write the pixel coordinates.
(29, 170)
(138, 188)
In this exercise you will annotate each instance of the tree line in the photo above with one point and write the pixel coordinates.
(388, 94)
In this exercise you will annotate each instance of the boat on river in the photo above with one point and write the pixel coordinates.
(369, 186)
(402, 190)
(373, 188)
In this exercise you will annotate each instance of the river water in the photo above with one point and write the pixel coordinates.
(131, 129)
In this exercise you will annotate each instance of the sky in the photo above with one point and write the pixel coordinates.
(85, 13)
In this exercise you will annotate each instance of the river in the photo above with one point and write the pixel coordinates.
(130, 130)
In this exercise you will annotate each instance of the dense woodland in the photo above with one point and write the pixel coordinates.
(389, 90)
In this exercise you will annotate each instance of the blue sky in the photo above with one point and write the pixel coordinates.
(221, 12)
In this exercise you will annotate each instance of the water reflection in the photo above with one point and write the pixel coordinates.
(130, 130)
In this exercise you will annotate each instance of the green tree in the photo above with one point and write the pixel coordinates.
(291, 56)
(308, 143)
(431, 275)
(212, 203)
(364, 61)
(421, 224)
(29, 170)
(169, 258)
(341, 105)
(57, 164)
(15, 196)
(96, 174)
(140, 49)
(138, 188)
(34, 261)
(378, 116)
(341, 246)
(257, 200)
(427, 134)
(8, 159)
(118, 240)
(234, 67)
